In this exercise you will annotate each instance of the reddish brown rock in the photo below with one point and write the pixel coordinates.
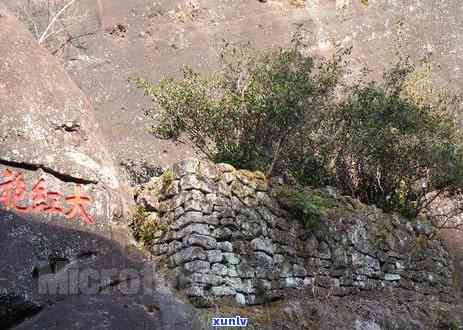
(49, 132)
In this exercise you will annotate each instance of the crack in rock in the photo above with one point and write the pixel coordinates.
(35, 167)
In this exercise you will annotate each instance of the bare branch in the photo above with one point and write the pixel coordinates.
(45, 33)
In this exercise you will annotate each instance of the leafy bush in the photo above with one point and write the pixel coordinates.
(309, 208)
(259, 113)
(383, 143)
(392, 151)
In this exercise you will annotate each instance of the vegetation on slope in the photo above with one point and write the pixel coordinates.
(282, 112)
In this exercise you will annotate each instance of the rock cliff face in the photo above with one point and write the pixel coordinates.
(62, 233)
(48, 126)
(222, 234)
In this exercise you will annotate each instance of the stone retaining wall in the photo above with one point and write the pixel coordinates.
(221, 233)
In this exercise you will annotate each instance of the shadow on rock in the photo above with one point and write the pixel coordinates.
(52, 277)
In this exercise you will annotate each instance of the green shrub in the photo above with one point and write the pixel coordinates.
(259, 113)
(309, 208)
(383, 143)
(391, 151)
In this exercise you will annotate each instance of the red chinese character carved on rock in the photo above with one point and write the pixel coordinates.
(12, 191)
(78, 202)
(39, 196)
(19, 194)
(6, 189)
(53, 203)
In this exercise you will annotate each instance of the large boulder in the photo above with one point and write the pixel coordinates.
(48, 129)
(66, 258)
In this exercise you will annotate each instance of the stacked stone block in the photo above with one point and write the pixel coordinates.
(225, 236)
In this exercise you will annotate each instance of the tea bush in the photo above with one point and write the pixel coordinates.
(392, 151)
(280, 113)
(259, 113)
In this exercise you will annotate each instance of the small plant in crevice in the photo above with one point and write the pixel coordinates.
(310, 208)
(144, 225)
(419, 246)
(166, 179)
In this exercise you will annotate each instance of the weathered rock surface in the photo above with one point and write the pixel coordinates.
(238, 242)
(62, 204)
(47, 123)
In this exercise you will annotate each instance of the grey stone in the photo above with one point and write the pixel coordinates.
(190, 181)
(240, 190)
(197, 266)
(223, 188)
(208, 170)
(166, 206)
(195, 291)
(231, 258)
(261, 244)
(308, 281)
(245, 270)
(250, 201)
(174, 246)
(189, 254)
(233, 282)
(282, 224)
(392, 277)
(232, 271)
(225, 246)
(178, 212)
(219, 269)
(251, 229)
(263, 285)
(187, 218)
(185, 167)
(179, 199)
(193, 205)
(291, 282)
(299, 271)
(206, 242)
(222, 233)
(286, 270)
(247, 286)
(194, 201)
(229, 222)
(224, 212)
(195, 228)
(207, 208)
(222, 291)
(214, 256)
(278, 258)
(229, 177)
(240, 299)
(324, 251)
(266, 215)
(207, 279)
(263, 260)
(340, 257)
(159, 249)
(263, 273)
(224, 168)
